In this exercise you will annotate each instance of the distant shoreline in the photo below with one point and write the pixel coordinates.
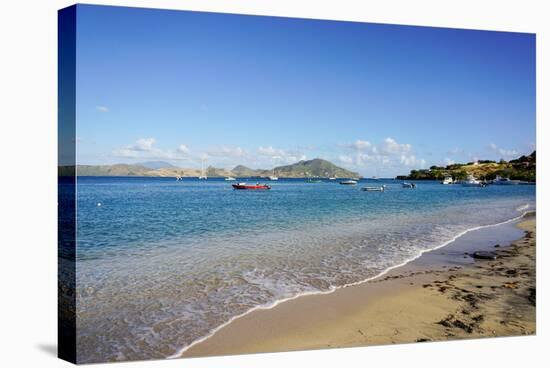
(223, 177)
(305, 168)
(522, 168)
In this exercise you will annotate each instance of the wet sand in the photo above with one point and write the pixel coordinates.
(418, 302)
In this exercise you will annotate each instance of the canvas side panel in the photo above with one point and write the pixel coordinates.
(66, 325)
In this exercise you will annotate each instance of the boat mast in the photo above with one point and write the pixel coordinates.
(203, 172)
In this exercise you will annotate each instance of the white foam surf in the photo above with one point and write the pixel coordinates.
(332, 289)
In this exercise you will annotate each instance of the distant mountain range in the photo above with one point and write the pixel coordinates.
(302, 169)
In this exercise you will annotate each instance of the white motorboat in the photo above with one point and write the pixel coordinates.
(505, 181)
(447, 180)
(472, 182)
(348, 182)
(374, 189)
(408, 185)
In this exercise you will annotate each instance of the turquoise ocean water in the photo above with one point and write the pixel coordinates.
(161, 263)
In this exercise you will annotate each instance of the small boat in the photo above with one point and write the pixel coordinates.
(505, 181)
(202, 176)
(472, 182)
(332, 178)
(272, 177)
(313, 181)
(447, 180)
(179, 178)
(374, 189)
(408, 185)
(230, 178)
(256, 186)
(348, 182)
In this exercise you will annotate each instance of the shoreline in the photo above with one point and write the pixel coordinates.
(267, 328)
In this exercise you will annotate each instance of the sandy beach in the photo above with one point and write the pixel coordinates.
(421, 301)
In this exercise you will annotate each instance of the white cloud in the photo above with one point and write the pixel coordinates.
(370, 159)
(183, 149)
(388, 155)
(449, 161)
(141, 147)
(143, 144)
(292, 158)
(345, 159)
(102, 109)
(412, 161)
(125, 152)
(508, 152)
(271, 152)
(144, 148)
(227, 151)
(273, 155)
(391, 147)
(360, 145)
(388, 147)
(503, 152)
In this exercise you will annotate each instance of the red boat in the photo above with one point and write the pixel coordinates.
(254, 187)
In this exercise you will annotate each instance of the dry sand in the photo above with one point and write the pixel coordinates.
(414, 303)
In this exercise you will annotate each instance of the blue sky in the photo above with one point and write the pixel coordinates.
(263, 91)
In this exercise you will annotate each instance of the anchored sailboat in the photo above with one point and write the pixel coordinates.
(203, 171)
(272, 176)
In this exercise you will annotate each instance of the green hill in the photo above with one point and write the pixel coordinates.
(522, 168)
(242, 171)
(313, 168)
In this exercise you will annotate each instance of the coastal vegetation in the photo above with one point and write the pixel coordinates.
(522, 168)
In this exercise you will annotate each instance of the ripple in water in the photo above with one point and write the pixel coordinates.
(146, 288)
